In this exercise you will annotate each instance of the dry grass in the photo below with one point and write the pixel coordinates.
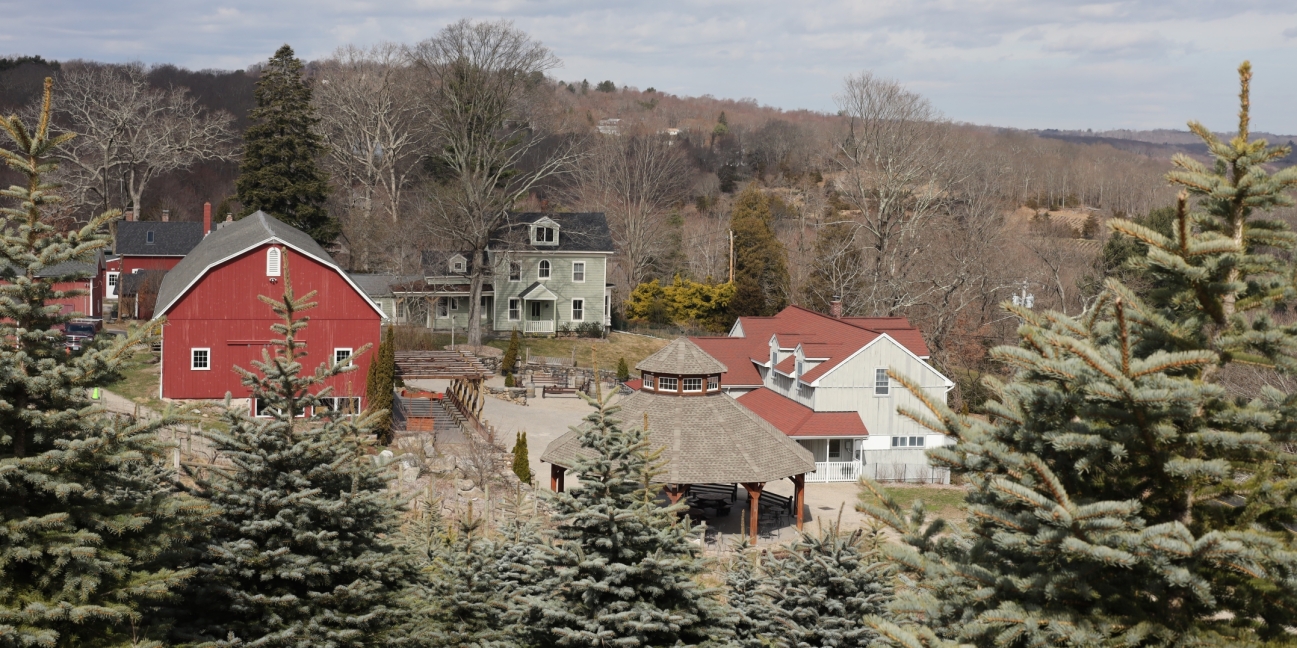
(939, 501)
(618, 345)
(139, 378)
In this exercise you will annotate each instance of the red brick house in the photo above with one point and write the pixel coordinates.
(215, 321)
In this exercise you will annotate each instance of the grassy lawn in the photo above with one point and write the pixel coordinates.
(938, 502)
(618, 345)
(139, 380)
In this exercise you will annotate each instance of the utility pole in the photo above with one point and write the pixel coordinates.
(731, 256)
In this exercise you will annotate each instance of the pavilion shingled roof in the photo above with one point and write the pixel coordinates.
(681, 356)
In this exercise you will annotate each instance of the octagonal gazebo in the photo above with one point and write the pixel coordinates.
(706, 436)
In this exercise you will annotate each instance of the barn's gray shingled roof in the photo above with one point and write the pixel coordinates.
(176, 238)
(230, 241)
(704, 440)
(681, 356)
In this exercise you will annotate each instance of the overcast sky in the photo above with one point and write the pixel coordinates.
(1022, 63)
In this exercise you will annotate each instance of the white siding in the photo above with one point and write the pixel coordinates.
(850, 386)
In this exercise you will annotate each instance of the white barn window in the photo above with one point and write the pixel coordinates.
(274, 262)
(882, 384)
(200, 359)
(341, 355)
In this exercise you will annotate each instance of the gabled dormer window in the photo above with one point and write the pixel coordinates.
(544, 232)
(457, 263)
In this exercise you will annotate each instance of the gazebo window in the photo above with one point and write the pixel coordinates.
(713, 383)
(667, 383)
(693, 384)
(648, 381)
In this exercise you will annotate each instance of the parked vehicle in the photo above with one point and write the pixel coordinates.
(79, 333)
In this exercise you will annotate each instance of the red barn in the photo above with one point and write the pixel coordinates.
(85, 277)
(215, 321)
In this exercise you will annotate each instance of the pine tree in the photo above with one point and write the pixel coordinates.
(760, 261)
(621, 568)
(90, 526)
(301, 553)
(380, 385)
(825, 587)
(280, 174)
(1120, 495)
(521, 462)
(623, 371)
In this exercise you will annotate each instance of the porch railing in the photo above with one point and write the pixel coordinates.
(545, 326)
(831, 471)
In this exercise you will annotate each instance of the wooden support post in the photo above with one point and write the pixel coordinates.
(799, 496)
(676, 491)
(556, 473)
(754, 508)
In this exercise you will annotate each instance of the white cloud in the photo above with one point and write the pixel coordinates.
(1030, 63)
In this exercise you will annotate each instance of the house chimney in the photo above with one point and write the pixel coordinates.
(835, 307)
(130, 215)
(166, 215)
(207, 218)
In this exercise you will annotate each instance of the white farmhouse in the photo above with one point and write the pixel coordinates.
(823, 381)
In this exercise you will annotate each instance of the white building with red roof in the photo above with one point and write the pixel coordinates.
(823, 381)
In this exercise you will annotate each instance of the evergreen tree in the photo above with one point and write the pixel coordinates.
(380, 385)
(826, 585)
(622, 568)
(280, 174)
(1120, 496)
(509, 364)
(757, 622)
(760, 261)
(623, 371)
(90, 526)
(462, 598)
(301, 553)
(521, 462)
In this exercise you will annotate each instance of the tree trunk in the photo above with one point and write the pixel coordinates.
(475, 299)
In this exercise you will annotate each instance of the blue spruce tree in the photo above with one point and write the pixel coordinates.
(1120, 495)
(91, 528)
(302, 553)
(621, 569)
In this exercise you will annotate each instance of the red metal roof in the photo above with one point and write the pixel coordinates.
(797, 420)
(635, 383)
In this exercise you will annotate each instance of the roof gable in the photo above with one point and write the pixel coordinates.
(578, 231)
(168, 238)
(236, 239)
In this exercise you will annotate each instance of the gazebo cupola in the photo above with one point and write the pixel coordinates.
(681, 369)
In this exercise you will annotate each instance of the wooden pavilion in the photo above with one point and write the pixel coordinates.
(706, 436)
(465, 373)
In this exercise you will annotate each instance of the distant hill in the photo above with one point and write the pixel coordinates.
(1160, 143)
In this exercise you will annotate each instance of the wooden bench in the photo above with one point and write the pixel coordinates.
(777, 503)
(715, 491)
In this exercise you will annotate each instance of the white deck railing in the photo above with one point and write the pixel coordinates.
(546, 326)
(832, 471)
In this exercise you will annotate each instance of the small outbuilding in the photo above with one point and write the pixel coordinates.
(705, 435)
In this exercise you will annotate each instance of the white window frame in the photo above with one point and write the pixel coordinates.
(515, 277)
(112, 281)
(338, 350)
(538, 234)
(713, 383)
(647, 382)
(544, 269)
(687, 383)
(274, 262)
(207, 359)
(578, 310)
(334, 403)
(515, 310)
(882, 383)
(443, 308)
(669, 383)
(301, 414)
(575, 264)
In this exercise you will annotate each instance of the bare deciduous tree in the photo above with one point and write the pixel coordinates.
(895, 167)
(635, 180)
(129, 132)
(371, 120)
(482, 84)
